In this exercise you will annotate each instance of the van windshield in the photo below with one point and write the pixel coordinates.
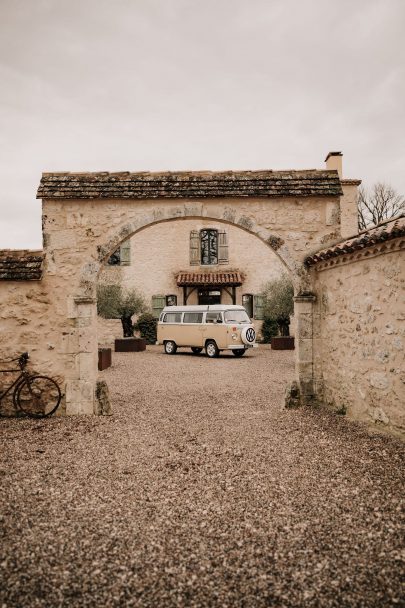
(236, 316)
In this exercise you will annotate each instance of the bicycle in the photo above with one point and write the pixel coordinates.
(36, 396)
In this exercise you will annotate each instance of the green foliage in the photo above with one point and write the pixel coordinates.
(108, 297)
(147, 327)
(269, 329)
(278, 297)
(130, 303)
(114, 302)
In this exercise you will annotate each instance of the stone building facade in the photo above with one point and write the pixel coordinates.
(169, 264)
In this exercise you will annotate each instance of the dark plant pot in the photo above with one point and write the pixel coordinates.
(130, 345)
(104, 358)
(282, 343)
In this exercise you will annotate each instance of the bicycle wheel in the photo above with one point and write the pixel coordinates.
(38, 396)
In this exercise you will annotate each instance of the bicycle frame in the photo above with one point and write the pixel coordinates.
(14, 384)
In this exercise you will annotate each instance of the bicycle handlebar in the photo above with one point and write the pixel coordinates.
(23, 359)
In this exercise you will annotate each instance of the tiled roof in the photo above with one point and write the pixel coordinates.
(21, 265)
(189, 184)
(195, 279)
(390, 229)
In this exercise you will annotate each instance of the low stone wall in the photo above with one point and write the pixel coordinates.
(359, 335)
(107, 331)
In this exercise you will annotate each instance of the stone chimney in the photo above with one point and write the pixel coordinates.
(334, 161)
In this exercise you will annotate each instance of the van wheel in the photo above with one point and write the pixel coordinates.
(211, 349)
(239, 352)
(196, 349)
(170, 347)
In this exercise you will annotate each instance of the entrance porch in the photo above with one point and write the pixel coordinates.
(210, 286)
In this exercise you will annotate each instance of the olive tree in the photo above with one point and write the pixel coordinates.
(115, 302)
(278, 296)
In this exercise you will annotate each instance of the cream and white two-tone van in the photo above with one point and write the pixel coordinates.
(213, 328)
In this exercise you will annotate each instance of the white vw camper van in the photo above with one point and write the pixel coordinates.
(213, 328)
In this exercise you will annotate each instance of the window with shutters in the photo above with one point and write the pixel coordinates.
(208, 247)
(258, 307)
(122, 256)
(171, 300)
(158, 304)
(247, 303)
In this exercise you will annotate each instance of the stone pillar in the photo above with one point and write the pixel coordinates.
(304, 364)
(81, 386)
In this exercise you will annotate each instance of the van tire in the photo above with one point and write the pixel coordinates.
(211, 349)
(196, 350)
(238, 352)
(170, 347)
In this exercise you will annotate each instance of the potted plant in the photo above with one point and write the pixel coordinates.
(278, 298)
(116, 302)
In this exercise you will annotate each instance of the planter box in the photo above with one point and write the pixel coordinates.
(282, 343)
(104, 358)
(130, 345)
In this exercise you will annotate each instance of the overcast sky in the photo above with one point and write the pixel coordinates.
(115, 85)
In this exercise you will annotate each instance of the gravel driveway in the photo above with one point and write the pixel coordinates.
(200, 490)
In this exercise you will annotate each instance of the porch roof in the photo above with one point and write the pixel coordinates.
(231, 278)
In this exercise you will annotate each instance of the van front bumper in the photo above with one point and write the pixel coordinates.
(240, 346)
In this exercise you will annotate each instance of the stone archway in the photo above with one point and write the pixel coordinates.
(85, 302)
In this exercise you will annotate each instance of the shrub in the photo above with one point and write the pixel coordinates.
(269, 329)
(147, 327)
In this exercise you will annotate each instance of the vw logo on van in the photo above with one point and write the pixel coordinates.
(250, 335)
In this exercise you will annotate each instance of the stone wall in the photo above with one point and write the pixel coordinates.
(33, 319)
(359, 334)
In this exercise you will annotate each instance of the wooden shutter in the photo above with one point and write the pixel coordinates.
(247, 302)
(194, 248)
(158, 304)
(223, 256)
(125, 253)
(258, 307)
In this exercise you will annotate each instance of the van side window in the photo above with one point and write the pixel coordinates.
(172, 317)
(212, 317)
(193, 317)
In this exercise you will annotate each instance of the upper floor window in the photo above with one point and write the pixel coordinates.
(208, 247)
(121, 256)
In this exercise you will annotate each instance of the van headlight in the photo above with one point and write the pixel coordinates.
(234, 336)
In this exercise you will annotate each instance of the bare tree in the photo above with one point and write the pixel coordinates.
(378, 205)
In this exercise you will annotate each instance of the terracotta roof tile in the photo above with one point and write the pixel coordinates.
(21, 265)
(390, 229)
(194, 279)
(191, 184)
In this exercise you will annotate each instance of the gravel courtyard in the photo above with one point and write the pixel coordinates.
(200, 490)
